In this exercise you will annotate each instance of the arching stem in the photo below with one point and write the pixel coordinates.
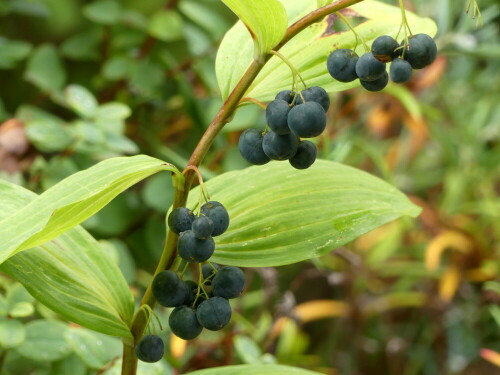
(182, 184)
(358, 37)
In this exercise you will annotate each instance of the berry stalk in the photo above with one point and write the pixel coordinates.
(182, 186)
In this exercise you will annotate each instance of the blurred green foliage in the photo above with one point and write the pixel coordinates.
(83, 81)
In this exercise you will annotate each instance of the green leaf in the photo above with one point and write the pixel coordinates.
(22, 310)
(143, 368)
(166, 25)
(45, 341)
(158, 193)
(79, 281)
(322, 3)
(280, 215)
(73, 200)
(308, 50)
(106, 12)
(48, 136)
(266, 20)
(12, 51)
(12, 333)
(118, 67)
(16, 364)
(95, 350)
(45, 69)
(248, 351)
(113, 111)
(81, 100)
(84, 45)
(69, 365)
(255, 370)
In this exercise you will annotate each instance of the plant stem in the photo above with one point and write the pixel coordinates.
(182, 186)
(404, 20)
(295, 72)
(348, 24)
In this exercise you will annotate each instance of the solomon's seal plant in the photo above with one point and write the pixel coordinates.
(259, 61)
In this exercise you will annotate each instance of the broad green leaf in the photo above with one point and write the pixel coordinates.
(16, 364)
(322, 3)
(248, 351)
(79, 281)
(113, 111)
(45, 69)
(158, 193)
(280, 215)
(94, 349)
(265, 20)
(81, 100)
(22, 310)
(106, 12)
(12, 51)
(71, 365)
(12, 333)
(118, 67)
(48, 136)
(255, 370)
(73, 200)
(45, 341)
(166, 25)
(309, 50)
(206, 16)
(84, 45)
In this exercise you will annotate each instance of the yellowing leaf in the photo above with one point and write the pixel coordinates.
(446, 240)
(395, 301)
(312, 310)
(177, 346)
(449, 283)
(491, 356)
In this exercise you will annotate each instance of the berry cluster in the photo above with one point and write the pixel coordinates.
(290, 117)
(417, 52)
(197, 305)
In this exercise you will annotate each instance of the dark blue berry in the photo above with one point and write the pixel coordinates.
(385, 48)
(315, 94)
(280, 147)
(307, 120)
(276, 116)
(193, 249)
(286, 95)
(368, 68)
(341, 65)
(250, 146)
(229, 282)
(180, 220)
(305, 156)
(209, 272)
(202, 227)
(184, 324)
(377, 85)
(400, 71)
(421, 51)
(218, 214)
(214, 313)
(169, 290)
(150, 349)
(193, 290)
